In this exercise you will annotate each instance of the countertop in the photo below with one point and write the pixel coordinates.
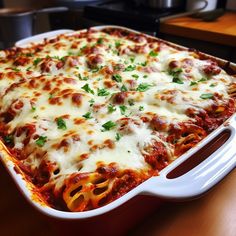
(221, 31)
(214, 214)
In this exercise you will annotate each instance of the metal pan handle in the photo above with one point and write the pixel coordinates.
(202, 177)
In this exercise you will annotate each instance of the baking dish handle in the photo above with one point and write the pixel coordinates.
(201, 178)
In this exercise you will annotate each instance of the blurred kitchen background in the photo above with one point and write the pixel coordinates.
(213, 31)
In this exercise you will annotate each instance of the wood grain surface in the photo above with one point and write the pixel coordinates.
(222, 30)
(212, 215)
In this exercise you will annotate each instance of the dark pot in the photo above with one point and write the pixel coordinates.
(18, 23)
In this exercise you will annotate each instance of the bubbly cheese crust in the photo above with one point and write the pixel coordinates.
(91, 115)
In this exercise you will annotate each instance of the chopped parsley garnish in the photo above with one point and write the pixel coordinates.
(123, 88)
(91, 101)
(70, 53)
(202, 80)
(175, 72)
(28, 68)
(33, 108)
(141, 108)
(193, 83)
(153, 54)
(118, 136)
(143, 87)
(87, 89)
(41, 141)
(103, 92)
(117, 78)
(61, 124)
(51, 96)
(95, 70)
(83, 78)
(36, 61)
(58, 58)
(8, 139)
(87, 115)
(207, 95)
(213, 85)
(177, 80)
(143, 63)
(16, 69)
(131, 102)
(115, 52)
(132, 59)
(111, 108)
(135, 76)
(100, 41)
(117, 44)
(145, 76)
(123, 109)
(130, 68)
(108, 125)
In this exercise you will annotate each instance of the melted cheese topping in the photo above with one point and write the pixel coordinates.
(86, 96)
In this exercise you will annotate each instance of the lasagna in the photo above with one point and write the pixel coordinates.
(88, 116)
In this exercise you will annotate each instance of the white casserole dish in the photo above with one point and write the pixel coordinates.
(191, 184)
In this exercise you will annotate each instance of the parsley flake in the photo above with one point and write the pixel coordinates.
(131, 102)
(202, 80)
(108, 125)
(123, 109)
(41, 141)
(91, 101)
(111, 108)
(213, 85)
(117, 44)
(141, 108)
(118, 136)
(175, 72)
(132, 59)
(51, 96)
(87, 115)
(36, 61)
(87, 89)
(143, 63)
(153, 54)
(193, 83)
(85, 78)
(103, 92)
(207, 95)
(135, 76)
(123, 88)
(143, 87)
(33, 108)
(16, 69)
(130, 68)
(117, 78)
(61, 124)
(100, 41)
(177, 80)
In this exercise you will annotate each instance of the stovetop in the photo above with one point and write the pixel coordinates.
(127, 14)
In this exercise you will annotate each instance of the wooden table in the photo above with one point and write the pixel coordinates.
(213, 214)
(222, 31)
(217, 38)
